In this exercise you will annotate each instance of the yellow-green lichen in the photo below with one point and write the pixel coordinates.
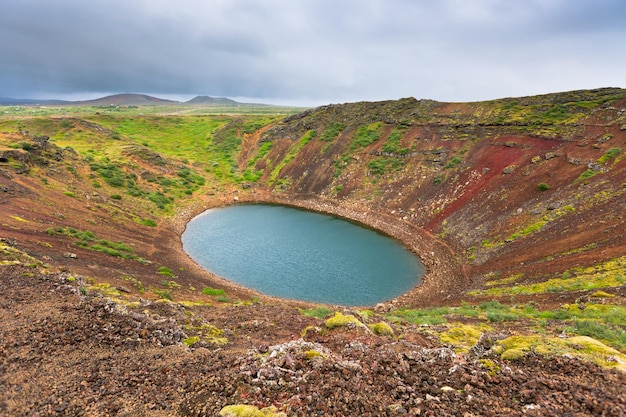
(245, 410)
(312, 354)
(610, 273)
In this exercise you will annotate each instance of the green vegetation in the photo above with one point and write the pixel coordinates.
(603, 322)
(539, 223)
(213, 291)
(163, 270)
(89, 240)
(612, 153)
(365, 136)
(342, 320)
(463, 336)
(244, 410)
(583, 347)
(542, 186)
(453, 162)
(293, 151)
(319, 312)
(607, 274)
(251, 174)
(164, 294)
(332, 131)
(382, 329)
(393, 143)
(383, 165)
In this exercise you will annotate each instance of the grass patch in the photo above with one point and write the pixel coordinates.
(213, 291)
(393, 143)
(164, 294)
(365, 136)
(383, 165)
(429, 316)
(606, 333)
(88, 240)
(319, 312)
(332, 131)
(163, 270)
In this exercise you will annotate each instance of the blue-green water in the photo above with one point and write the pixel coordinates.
(297, 254)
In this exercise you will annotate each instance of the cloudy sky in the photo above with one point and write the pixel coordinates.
(310, 52)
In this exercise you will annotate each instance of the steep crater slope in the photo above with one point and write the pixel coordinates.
(522, 189)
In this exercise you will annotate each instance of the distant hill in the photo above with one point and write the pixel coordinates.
(7, 101)
(212, 101)
(126, 100)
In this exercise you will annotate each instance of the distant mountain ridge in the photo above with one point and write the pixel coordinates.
(127, 99)
(212, 101)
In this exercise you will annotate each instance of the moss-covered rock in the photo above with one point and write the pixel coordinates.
(382, 329)
(582, 347)
(342, 320)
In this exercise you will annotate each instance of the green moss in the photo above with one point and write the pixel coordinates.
(341, 320)
(190, 341)
(582, 347)
(463, 336)
(491, 367)
(382, 329)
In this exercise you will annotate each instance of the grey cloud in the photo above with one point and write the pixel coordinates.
(310, 51)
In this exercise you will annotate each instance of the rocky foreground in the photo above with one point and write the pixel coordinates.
(66, 351)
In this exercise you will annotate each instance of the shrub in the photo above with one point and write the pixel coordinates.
(542, 186)
(164, 294)
(163, 270)
(116, 196)
(148, 222)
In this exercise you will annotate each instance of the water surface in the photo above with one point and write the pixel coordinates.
(297, 254)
